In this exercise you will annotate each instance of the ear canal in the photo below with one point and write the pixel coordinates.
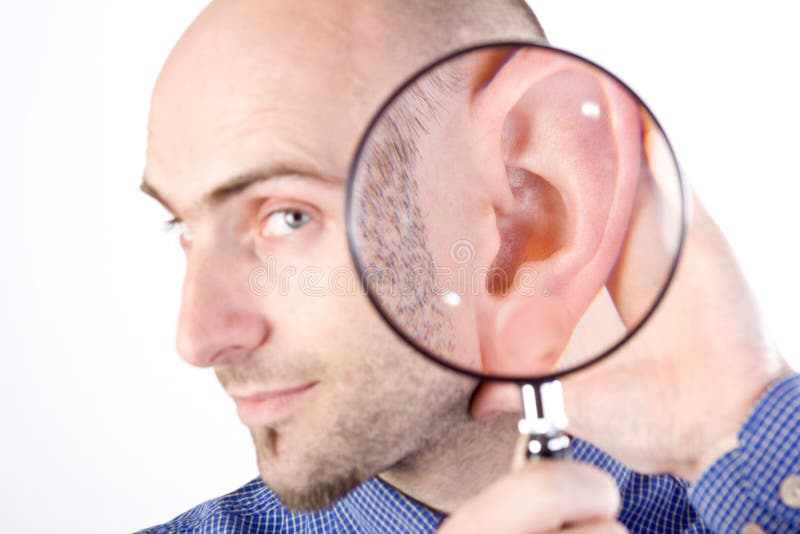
(531, 231)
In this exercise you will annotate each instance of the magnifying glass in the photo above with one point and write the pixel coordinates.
(516, 213)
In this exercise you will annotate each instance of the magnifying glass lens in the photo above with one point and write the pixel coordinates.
(515, 212)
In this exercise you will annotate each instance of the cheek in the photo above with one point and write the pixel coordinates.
(323, 302)
(340, 318)
(324, 307)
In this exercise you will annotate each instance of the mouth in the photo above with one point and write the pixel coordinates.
(267, 407)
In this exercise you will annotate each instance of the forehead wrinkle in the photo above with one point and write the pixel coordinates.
(253, 130)
(285, 155)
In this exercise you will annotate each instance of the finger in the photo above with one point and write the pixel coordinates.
(493, 398)
(653, 230)
(605, 526)
(539, 497)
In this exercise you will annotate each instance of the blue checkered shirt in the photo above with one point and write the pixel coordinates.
(744, 487)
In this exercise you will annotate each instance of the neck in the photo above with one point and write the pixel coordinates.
(448, 472)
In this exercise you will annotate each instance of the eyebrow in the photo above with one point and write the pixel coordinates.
(239, 183)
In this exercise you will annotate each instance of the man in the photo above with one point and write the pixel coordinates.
(253, 123)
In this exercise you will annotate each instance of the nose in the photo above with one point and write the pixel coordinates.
(219, 323)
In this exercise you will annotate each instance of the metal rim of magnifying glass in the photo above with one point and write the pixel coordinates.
(360, 269)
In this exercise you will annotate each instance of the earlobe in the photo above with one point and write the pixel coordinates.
(570, 142)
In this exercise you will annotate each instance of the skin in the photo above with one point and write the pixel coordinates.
(213, 118)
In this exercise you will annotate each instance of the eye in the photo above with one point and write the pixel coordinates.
(283, 222)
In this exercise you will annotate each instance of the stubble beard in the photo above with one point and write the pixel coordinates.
(325, 486)
(374, 420)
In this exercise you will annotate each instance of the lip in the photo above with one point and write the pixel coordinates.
(270, 406)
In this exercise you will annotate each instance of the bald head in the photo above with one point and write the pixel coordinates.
(304, 62)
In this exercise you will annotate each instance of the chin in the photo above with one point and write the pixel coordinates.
(306, 479)
(315, 495)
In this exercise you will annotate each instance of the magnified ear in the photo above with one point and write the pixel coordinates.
(561, 141)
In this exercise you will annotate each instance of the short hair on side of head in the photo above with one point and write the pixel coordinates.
(389, 214)
(450, 24)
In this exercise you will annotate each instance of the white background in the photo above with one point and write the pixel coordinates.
(104, 428)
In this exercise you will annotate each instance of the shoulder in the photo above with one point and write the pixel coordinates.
(252, 508)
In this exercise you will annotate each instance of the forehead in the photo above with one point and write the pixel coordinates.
(255, 83)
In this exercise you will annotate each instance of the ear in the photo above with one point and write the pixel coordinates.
(561, 141)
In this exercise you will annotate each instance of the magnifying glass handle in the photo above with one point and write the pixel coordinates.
(544, 421)
(557, 447)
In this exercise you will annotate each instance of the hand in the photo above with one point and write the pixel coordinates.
(673, 399)
(544, 496)
(679, 393)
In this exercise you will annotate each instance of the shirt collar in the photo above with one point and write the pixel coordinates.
(377, 506)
